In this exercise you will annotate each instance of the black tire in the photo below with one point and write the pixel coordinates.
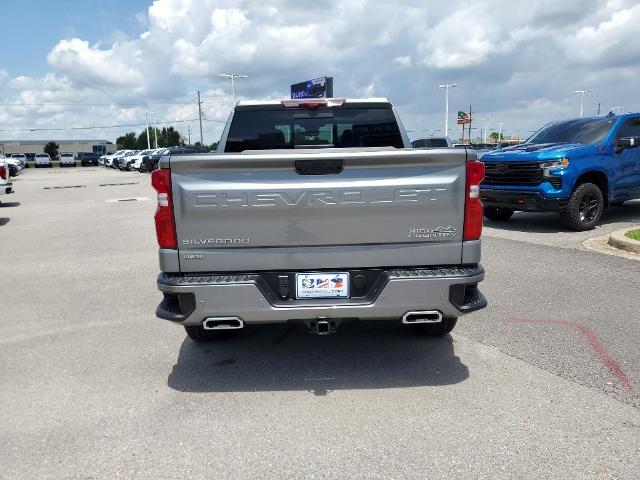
(499, 214)
(198, 334)
(436, 329)
(584, 209)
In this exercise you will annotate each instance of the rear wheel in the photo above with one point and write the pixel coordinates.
(585, 208)
(436, 329)
(197, 333)
(499, 214)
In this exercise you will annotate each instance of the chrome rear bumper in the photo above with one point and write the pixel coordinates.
(191, 299)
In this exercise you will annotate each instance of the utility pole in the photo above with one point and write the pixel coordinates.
(500, 134)
(200, 117)
(582, 94)
(155, 131)
(146, 121)
(189, 130)
(446, 87)
(470, 121)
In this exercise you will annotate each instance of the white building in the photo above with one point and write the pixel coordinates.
(31, 147)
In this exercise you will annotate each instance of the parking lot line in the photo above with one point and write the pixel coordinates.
(607, 360)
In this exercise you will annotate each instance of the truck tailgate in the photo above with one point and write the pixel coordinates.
(311, 209)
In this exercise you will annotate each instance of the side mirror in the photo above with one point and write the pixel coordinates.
(627, 142)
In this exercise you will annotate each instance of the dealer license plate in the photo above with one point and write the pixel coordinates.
(322, 285)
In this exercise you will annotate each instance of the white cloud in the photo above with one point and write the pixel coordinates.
(519, 61)
(612, 41)
(403, 61)
(117, 66)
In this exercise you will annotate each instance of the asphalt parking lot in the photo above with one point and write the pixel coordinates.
(544, 383)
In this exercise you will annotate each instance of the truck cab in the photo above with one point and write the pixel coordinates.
(575, 167)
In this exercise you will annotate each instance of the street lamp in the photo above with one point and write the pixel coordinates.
(582, 94)
(486, 124)
(146, 121)
(446, 87)
(500, 133)
(233, 77)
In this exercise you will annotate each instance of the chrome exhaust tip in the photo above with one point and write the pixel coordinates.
(425, 316)
(222, 323)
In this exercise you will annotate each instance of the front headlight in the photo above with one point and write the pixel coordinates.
(558, 163)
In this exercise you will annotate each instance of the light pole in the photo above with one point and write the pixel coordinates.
(155, 131)
(146, 121)
(486, 124)
(582, 94)
(500, 133)
(446, 87)
(233, 77)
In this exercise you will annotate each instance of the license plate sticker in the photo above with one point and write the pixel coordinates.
(322, 285)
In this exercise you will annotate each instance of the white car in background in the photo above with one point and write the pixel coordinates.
(21, 158)
(6, 186)
(136, 160)
(14, 165)
(107, 160)
(43, 160)
(67, 160)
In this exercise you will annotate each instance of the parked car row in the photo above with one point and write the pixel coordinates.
(15, 164)
(144, 160)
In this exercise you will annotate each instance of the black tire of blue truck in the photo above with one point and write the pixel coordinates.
(197, 333)
(585, 207)
(436, 329)
(498, 214)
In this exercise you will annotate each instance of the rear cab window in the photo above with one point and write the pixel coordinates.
(329, 127)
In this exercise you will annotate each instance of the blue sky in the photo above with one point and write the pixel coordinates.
(50, 20)
(88, 63)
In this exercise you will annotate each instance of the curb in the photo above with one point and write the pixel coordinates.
(618, 239)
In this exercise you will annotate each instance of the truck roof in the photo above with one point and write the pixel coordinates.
(250, 104)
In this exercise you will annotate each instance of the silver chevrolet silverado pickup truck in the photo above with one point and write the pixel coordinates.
(318, 211)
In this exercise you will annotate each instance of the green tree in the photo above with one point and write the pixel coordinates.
(213, 146)
(52, 149)
(167, 137)
(494, 135)
(141, 142)
(127, 141)
(172, 137)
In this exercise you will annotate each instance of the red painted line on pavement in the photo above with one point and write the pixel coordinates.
(591, 338)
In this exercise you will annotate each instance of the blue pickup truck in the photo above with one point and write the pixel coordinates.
(575, 167)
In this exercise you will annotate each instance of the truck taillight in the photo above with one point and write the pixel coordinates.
(3, 172)
(165, 224)
(473, 211)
